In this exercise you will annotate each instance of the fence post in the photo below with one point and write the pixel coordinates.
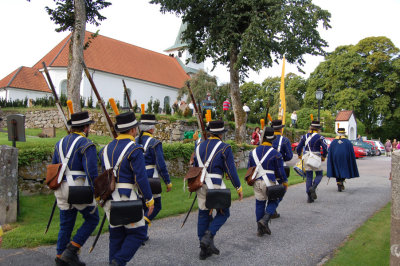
(395, 225)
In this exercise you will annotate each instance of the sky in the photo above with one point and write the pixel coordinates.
(27, 33)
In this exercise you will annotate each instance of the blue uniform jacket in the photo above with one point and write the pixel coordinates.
(286, 147)
(223, 161)
(132, 169)
(341, 159)
(316, 143)
(154, 156)
(83, 157)
(274, 162)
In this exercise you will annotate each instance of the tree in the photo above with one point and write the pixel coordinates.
(201, 83)
(72, 15)
(365, 78)
(249, 34)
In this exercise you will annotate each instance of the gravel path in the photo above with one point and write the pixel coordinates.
(304, 235)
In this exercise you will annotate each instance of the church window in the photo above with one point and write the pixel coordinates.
(126, 103)
(166, 101)
(63, 87)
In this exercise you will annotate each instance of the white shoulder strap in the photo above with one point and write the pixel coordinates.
(259, 163)
(205, 166)
(64, 160)
(280, 144)
(121, 156)
(308, 140)
(147, 144)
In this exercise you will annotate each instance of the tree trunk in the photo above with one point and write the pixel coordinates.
(76, 55)
(239, 114)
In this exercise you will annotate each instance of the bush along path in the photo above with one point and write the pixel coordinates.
(303, 235)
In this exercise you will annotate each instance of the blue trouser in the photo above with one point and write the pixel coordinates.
(270, 209)
(125, 242)
(309, 180)
(67, 222)
(208, 222)
(156, 210)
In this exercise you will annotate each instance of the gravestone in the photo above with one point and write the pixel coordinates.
(8, 184)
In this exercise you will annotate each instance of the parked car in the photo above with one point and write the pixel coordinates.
(359, 143)
(373, 143)
(380, 146)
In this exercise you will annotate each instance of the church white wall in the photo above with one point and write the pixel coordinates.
(14, 94)
(2, 94)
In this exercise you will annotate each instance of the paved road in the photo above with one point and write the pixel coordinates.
(304, 235)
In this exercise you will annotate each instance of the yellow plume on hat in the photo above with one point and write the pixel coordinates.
(70, 108)
(114, 106)
(269, 117)
(312, 117)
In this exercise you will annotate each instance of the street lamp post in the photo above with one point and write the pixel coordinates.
(319, 94)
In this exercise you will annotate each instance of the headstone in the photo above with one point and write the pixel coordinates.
(49, 132)
(8, 184)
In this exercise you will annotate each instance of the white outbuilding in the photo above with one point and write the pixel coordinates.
(347, 120)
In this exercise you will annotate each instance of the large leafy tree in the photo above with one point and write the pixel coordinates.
(249, 35)
(365, 78)
(72, 15)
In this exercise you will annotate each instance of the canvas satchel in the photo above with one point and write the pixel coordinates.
(313, 160)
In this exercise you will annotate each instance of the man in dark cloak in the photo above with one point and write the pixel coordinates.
(341, 159)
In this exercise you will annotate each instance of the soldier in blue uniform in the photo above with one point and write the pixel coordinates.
(283, 146)
(312, 142)
(154, 158)
(341, 159)
(221, 162)
(269, 172)
(81, 170)
(125, 240)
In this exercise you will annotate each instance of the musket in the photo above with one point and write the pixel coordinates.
(51, 216)
(127, 96)
(58, 104)
(109, 123)
(98, 233)
(203, 133)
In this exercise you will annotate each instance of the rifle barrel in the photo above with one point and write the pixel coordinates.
(127, 96)
(109, 123)
(198, 112)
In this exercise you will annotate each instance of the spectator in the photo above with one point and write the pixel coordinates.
(394, 145)
(246, 109)
(398, 146)
(255, 137)
(359, 137)
(294, 119)
(175, 106)
(225, 107)
(388, 147)
(191, 107)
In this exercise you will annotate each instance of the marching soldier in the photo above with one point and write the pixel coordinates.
(126, 158)
(154, 158)
(283, 146)
(341, 159)
(269, 172)
(312, 143)
(217, 157)
(76, 191)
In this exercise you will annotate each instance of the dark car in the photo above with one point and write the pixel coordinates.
(370, 149)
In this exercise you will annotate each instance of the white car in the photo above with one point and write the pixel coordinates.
(380, 146)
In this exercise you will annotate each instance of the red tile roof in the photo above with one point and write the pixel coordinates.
(25, 78)
(124, 59)
(344, 115)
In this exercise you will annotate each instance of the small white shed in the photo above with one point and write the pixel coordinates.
(347, 120)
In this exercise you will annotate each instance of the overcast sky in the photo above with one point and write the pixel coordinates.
(27, 33)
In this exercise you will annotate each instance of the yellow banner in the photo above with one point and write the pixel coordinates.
(282, 101)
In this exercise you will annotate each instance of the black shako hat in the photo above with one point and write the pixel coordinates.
(268, 134)
(341, 130)
(277, 124)
(216, 127)
(315, 124)
(148, 119)
(125, 121)
(80, 119)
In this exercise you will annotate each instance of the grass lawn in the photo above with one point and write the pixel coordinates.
(35, 211)
(369, 244)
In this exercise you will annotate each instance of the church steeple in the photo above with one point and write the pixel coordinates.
(180, 52)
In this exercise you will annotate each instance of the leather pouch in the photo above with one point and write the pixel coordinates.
(287, 170)
(104, 186)
(53, 170)
(218, 198)
(193, 177)
(275, 192)
(249, 174)
(80, 195)
(155, 185)
(126, 212)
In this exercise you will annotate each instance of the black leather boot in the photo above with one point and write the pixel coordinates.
(309, 199)
(206, 240)
(313, 193)
(264, 223)
(205, 252)
(60, 262)
(114, 263)
(339, 186)
(260, 231)
(213, 248)
(275, 215)
(70, 255)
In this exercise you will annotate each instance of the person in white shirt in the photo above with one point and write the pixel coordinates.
(191, 107)
(293, 117)
(246, 109)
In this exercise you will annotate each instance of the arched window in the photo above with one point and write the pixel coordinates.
(63, 87)
(126, 103)
(166, 101)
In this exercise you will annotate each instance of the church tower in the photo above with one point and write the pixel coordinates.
(180, 52)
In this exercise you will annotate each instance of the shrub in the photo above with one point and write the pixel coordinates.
(187, 112)
(63, 99)
(90, 102)
(82, 101)
(167, 109)
(150, 106)
(156, 106)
